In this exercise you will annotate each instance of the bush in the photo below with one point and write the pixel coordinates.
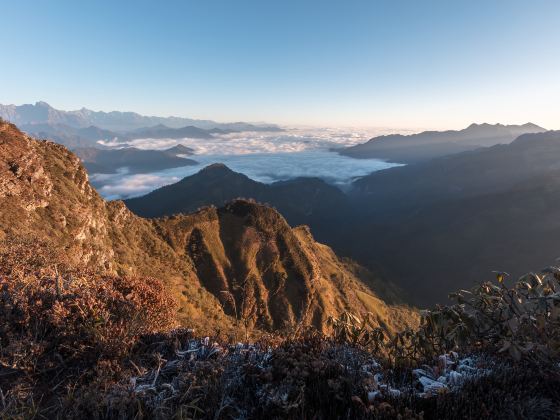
(61, 324)
(522, 321)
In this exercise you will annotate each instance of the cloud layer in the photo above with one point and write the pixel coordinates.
(295, 140)
(263, 167)
(263, 157)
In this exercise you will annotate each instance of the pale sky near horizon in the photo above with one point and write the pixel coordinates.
(395, 63)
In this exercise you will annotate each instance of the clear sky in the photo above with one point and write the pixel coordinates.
(405, 64)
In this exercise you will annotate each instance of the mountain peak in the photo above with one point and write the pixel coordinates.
(530, 126)
(483, 125)
(42, 104)
(217, 168)
(180, 149)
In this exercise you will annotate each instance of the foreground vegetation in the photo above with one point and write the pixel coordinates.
(79, 344)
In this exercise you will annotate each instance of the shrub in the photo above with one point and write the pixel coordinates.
(522, 321)
(61, 324)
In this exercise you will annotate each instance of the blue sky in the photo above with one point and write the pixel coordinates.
(402, 64)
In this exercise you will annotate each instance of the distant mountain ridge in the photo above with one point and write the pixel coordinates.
(477, 172)
(108, 161)
(430, 144)
(93, 136)
(71, 137)
(43, 113)
(161, 131)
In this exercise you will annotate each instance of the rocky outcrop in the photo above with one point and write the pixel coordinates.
(21, 170)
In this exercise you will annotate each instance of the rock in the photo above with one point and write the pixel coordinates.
(431, 386)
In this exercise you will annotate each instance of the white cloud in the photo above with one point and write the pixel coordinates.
(119, 186)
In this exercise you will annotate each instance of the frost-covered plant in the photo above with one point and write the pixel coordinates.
(349, 328)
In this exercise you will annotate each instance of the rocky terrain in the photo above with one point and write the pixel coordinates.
(300, 200)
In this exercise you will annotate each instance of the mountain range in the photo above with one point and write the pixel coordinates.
(429, 227)
(430, 144)
(240, 263)
(455, 219)
(43, 113)
(86, 128)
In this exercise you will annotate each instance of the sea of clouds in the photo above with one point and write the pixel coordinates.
(264, 157)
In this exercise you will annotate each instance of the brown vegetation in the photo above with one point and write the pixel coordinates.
(66, 327)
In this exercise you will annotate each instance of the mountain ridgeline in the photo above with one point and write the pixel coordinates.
(240, 264)
(430, 227)
(43, 113)
(449, 222)
(300, 200)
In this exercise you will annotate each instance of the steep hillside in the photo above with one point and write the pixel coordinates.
(430, 144)
(238, 265)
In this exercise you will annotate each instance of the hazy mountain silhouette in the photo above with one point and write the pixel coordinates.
(180, 149)
(446, 223)
(91, 136)
(431, 144)
(70, 137)
(161, 131)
